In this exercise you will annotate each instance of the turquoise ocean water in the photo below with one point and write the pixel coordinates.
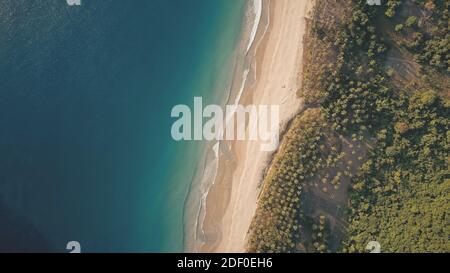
(85, 98)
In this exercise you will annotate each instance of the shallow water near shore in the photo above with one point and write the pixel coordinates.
(208, 170)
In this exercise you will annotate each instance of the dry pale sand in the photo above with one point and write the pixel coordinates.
(232, 200)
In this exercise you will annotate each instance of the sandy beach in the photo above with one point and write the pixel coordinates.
(276, 68)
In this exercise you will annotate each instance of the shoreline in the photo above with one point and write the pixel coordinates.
(275, 57)
(208, 168)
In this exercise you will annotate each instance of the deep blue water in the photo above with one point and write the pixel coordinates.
(85, 100)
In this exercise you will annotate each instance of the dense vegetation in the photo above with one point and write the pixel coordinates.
(399, 194)
(427, 34)
(401, 197)
(276, 224)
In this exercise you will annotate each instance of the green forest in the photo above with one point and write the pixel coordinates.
(368, 160)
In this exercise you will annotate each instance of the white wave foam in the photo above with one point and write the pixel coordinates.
(211, 168)
(216, 149)
(257, 9)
